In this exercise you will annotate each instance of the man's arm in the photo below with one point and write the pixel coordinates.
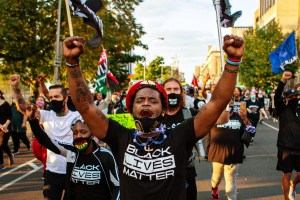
(278, 101)
(82, 98)
(43, 86)
(210, 112)
(20, 101)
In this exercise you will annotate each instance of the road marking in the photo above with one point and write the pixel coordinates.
(20, 178)
(272, 127)
(201, 148)
(18, 167)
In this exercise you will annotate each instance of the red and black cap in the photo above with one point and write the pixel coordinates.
(145, 84)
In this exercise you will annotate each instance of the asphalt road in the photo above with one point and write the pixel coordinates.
(257, 179)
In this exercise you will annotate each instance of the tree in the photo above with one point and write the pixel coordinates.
(28, 35)
(256, 68)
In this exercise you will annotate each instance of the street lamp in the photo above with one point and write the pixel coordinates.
(160, 38)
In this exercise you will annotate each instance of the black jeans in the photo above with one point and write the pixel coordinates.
(54, 184)
(4, 137)
(16, 137)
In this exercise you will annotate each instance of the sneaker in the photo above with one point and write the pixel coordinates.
(292, 193)
(16, 152)
(11, 159)
(215, 194)
(2, 166)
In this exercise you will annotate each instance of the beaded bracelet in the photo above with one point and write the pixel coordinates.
(233, 61)
(231, 71)
(72, 65)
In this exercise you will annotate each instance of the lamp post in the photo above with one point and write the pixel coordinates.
(160, 38)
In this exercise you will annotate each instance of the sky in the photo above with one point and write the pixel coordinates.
(188, 28)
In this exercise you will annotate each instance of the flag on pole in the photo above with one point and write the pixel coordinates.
(87, 9)
(195, 82)
(226, 18)
(104, 75)
(285, 53)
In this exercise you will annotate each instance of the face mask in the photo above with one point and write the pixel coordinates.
(57, 106)
(252, 97)
(146, 124)
(124, 103)
(293, 104)
(40, 104)
(81, 144)
(174, 100)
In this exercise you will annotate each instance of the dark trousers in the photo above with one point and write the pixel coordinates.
(4, 137)
(54, 184)
(191, 187)
(16, 137)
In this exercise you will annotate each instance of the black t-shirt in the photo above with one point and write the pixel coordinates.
(88, 179)
(254, 114)
(226, 146)
(198, 103)
(5, 113)
(158, 174)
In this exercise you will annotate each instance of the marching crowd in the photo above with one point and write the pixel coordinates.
(156, 159)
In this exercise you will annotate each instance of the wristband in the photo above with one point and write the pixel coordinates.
(233, 62)
(231, 71)
(72, 65)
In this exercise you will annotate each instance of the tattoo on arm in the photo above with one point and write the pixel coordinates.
(76, 73)
(83, 95)
(103, 117)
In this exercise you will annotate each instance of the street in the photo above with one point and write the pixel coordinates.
(257, 179)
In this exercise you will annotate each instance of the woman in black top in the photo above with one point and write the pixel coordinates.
(91, 170)
(5, 126)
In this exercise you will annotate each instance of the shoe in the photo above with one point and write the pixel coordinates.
(11, 159)
(215, 194)
(2, 166)
(28, 146)
(244, 156)
(292, 192)
(252, 140)
(16, 152)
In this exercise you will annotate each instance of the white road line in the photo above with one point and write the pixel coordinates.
(201, 148)
(18, 167)
(272, 127)
(20, 178)
(34, 166)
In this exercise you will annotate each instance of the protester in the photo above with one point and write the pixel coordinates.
(5, 128)
(152, 161)
(288, 141)
(56, 123)
(254, 107)
(91, 170)
(175, 114)
(102, 101)
(226, 149)
(18, 129)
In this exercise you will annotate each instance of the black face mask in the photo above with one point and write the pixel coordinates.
(293, 104)
(81, 144)
(146, 124)
(57, 106)
(174, 100)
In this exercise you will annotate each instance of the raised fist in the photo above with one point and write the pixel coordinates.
(15, 80)
(234, 46)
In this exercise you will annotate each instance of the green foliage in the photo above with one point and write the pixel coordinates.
(154, 70)
(256, 68)
(28, 35)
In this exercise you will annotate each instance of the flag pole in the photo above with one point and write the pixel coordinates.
(217, 8)
(57, 57)
(69, 18)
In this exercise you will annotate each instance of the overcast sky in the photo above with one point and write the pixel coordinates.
(187, 26)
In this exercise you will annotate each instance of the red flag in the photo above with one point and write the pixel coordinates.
(195, 82)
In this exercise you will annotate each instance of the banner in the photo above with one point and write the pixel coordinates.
(226, 19)
(124, 119)
(285, 53)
